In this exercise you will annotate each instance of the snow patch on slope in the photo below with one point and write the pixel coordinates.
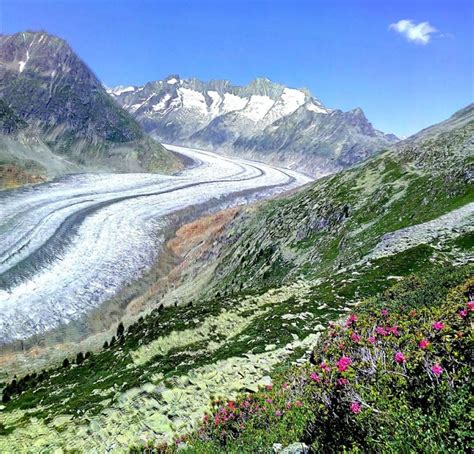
(216, 102)
(291, 100)
(117, 91)
(162, 104)
(192, 99)
(23, 63)
(233, 102)
(257, 107)
(312, 107)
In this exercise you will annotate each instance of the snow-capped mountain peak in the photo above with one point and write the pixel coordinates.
(198, 103)
(260, 116)
(120, 89)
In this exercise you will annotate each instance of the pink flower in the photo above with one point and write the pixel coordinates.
(298, 403)
(399, 357)
(384, 312)
(343, 363)
(342, 381)
(325, 367)
(269, 387)
(288, 405)
(372, 339)
(437, 370)
(424, 344)
(381, 331)
(315, 377)
(438, 326)
(355, 407)
(355, 337)
(470, 305)
(351, 319)
(393, 330)
(231, 404)
(463, 313)
(285, 385)
(269, 401)
(278, 413)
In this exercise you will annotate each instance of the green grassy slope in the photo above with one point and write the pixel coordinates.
(337, 221)
(393, 377)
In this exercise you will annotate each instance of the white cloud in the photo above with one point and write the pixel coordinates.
(417, 33)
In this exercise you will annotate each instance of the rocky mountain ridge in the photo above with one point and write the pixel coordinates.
(262, 120)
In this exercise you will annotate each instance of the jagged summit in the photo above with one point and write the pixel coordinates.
(263, 120)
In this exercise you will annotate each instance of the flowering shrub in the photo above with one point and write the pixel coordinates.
(438, 326)
(424, 344)
(356, 407)
(437, 370)
(403, 383)
(399, 357)
(343, 363)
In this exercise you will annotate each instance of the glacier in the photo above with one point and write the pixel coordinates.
(68, 246)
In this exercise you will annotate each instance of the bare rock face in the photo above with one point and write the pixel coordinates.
(262, 120)
(47, 84)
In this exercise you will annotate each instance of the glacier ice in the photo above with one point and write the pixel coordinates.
(68, 246)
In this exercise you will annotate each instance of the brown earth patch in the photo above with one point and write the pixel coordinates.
(12, 176)
(183, 251)
(201, 232)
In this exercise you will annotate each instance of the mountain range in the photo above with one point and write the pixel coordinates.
(332, 318)
(262, 120)
(57, 118)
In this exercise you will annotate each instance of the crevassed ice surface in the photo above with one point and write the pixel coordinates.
(68, 246)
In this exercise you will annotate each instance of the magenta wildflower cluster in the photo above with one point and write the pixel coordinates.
(348, 352)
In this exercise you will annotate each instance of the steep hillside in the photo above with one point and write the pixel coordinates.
(262, 120)
(66, 108)
(273, 280)
(10, 122)
(19, 162)
(422, 191)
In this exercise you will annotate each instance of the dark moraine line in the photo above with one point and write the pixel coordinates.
(18, 246)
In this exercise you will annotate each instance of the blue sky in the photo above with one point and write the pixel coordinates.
(404, 77)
